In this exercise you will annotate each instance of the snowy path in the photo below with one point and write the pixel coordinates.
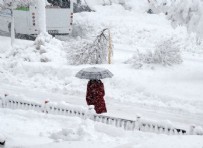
(116, 109)
(178, 117)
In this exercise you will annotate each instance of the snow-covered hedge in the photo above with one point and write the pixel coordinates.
(166, 53)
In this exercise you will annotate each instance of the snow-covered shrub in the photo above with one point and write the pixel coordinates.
(139, 59)
(88, 52)
(166, 53)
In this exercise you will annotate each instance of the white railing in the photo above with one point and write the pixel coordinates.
(67, 110)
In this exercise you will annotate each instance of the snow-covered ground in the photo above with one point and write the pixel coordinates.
(29, 129)
(158, 93)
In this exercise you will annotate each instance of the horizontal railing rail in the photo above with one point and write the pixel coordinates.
(130, 125)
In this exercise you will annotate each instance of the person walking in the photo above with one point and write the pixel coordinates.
(95, 96)
(95, 88)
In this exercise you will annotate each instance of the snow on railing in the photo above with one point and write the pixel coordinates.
(68, 110)
(139, 124)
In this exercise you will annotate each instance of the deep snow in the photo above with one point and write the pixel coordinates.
(30, 129)
(158, 93)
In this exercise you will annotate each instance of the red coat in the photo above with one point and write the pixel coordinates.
(95, 96)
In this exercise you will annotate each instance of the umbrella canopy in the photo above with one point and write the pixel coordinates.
(94, 73)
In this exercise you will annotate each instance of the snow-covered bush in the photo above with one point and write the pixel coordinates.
(139, 59)
(88, 52)
(166, 53)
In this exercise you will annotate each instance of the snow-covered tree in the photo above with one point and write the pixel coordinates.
(189, 13)
(96, 52)
(181, 12)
